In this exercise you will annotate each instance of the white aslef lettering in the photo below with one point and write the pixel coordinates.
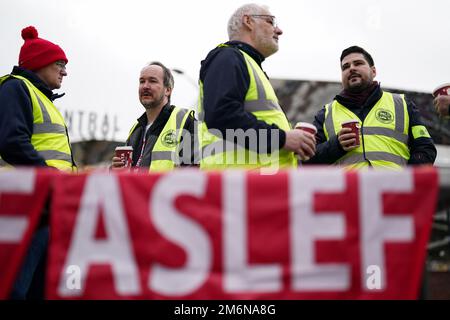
(239, 274)
(377, 228)
(183, 231)
(306, 227)
(102, 191)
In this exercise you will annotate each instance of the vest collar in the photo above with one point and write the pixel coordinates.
(36, 81)
(252, 52)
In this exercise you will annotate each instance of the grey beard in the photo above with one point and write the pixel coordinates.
(148, 106)
(154, 104)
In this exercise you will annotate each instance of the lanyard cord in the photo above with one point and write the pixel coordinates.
(138, 163)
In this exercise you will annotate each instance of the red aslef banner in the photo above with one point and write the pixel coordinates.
(315, 233)
(22, 198)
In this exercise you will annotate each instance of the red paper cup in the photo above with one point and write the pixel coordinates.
(125, 153)
(354, 125)
(442, 90)
(305, 126)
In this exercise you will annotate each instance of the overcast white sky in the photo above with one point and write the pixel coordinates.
(108, 41)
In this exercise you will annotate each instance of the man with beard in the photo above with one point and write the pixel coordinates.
(163, 137)
(242, 124)
(391, 132)
(442, 105)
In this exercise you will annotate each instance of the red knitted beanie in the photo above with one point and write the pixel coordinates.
(36, 52)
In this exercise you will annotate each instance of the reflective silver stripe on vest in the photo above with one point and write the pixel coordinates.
(373, 156)
(163, 155)
(329, 124)
(403, 138)
(48, 128)
(45, 114)
(259, 85)
(201, 116)
(399, 112)
(200, 108)
(55, 155)
(180, 116)
(262, 103)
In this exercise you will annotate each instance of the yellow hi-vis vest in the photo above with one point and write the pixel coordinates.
(261, 101)
(384, 133)
(49, 138)
(165, 152)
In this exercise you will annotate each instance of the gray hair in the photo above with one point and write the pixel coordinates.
(235, 22)
(168, 77)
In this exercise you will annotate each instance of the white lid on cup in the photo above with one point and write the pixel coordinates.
(124, 148)
(440, 87)
(306, 125)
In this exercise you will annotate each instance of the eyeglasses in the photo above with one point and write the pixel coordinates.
(61, 65)
(269, 19)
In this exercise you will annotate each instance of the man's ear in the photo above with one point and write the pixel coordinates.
(168, 91)
(247, 22)
(374, 71)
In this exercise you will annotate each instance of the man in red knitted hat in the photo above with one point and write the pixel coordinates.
(33, 131)
(28, 111)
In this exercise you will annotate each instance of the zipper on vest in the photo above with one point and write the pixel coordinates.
(362, 133)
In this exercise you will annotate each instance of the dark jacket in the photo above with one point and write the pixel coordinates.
(137, 137)
(16, 119)
(226, 80)
(422, 150)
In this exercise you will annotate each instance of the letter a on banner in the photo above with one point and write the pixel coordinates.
(395, 222)
(101, 199)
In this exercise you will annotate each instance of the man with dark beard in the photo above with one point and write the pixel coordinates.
(391, 132)
(163, 137)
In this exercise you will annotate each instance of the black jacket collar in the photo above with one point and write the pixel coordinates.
(36, 81)
(252, 52)
(163, 115)
(370, 102)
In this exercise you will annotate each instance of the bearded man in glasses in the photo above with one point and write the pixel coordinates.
(242, 124)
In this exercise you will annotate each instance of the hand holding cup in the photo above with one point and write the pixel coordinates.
(307, 146)
(442, 99)
(348, 136)
(122, 158)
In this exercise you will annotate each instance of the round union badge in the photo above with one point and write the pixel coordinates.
(169, 139)
(384, 116)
